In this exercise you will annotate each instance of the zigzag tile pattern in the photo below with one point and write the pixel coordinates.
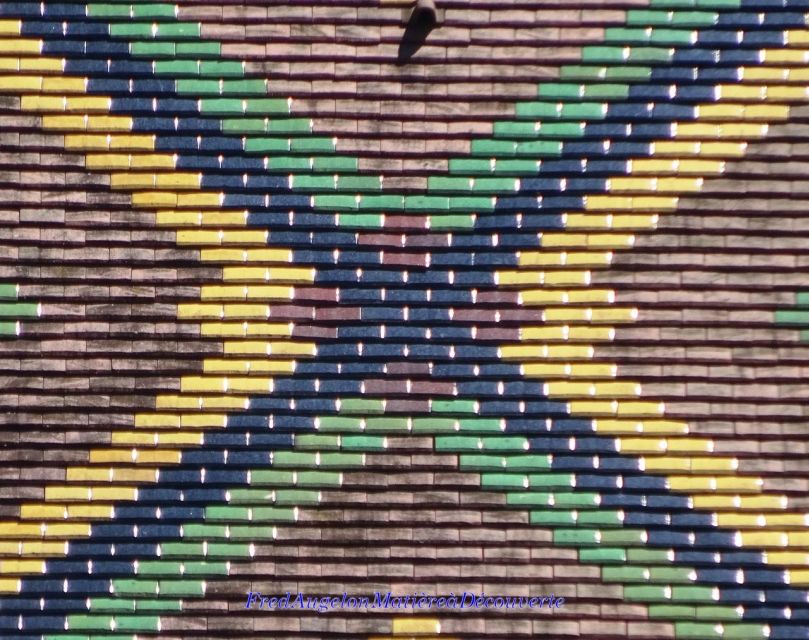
(389, 330)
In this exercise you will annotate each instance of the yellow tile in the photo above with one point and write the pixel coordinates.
(678, 185)
(614, 314)
(720, 111)
(67, 530)
(592, 370)
(740, 92)
(64, 85)
(715, 501)
(787, 56)
(196, 421)
(764, 539)
(639, 408)
(714, 464)
(20, 45)
(630, 184)
(250, 237)
(257, 311)
(218, 366)
(9, 65)
(109, 123)
(764, 502)
(223, 402)
(617, 389)
(250, 385)
(133, 438)
(738, 520)
(198, 200)
(549, 369)
(543, 333)
(55, 493)
(788, 558)
(667, 464)
(415, 626)
(223, 292)
(154, 199)
(722, 149)
(10, 27)
(799, 539)
(764, 74)
(564, 240)
(292, 274)
(560, 389)
(90, 511)
(53, 65)
(131, 474)
(199, 236)
(13, 548)
(791, 520)
(587, 221)
(39, 548)
(587, 258)
(15, 84)
(223, 255)
(653, 166)
(675, 148)
(86, 142)
(224, 329)
(190, 311)
(691, 483)
(191, 384)
(269, 255)
(86, 104)
(177, 402)
(270, 292)
(19, 530)
(132, 181)
(245, 274)
(99, 456)
(700, 167)
(42, 511)
(689, 445)
(738, 484)
(10, 585)
(158, 456)
(157, 420)
(132, 142)
(177, 218)
(637, 221)
(110, 494)
(21, 566)
(590, 296)
(543, 296)
(221, 218)
(796, 94)
(767, 112)
(642, 445)
(181, 439)
(567, 278)
(798, 577)
(617, 427)
(88, 474)
(152, 161)
(64, 123)
(274, 367)
(540, 258)
(106, 161)
(796, 37)
(179, 180)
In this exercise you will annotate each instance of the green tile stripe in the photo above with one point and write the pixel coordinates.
(12, 310)
(797, 317)
(502, 462)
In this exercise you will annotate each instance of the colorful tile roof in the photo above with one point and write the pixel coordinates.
(523, 314)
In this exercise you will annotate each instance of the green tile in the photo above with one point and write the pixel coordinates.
(504, 443)
(182, 549)
(112, 604)
(176, 67)
(202, 531)
(18, 309)
(273, 514)
(250, 533)
(202, 49)
(474, 203)
(672, 611)
(480, 425)
(493, 147)
(781, 317)
(297, 497)
(584, 111)
(718, 4)
(602, 54)
(8, 291)
(178, 30)
(639, 593)
(391, 424)
(226, 513)
(516, 167)
(159, 606)
(294, 459)
(434, 425)
(529, 499)
(603, 555)
(139, 624)
(585, 73)
(153, 49)
(221, 68)
(649, 555)
(358, 183)
(291, 126)
(319, 441)
(159, 568)
(338, 202)
(539, 148)
(89, 622)
(342, 460)
(267, 106)
(671, 574)
(206, 568)
(562, 129)
(575, 537)
(575, 500)
(672, 4)
(697, 630)
(494, 184)
(673, 37)
(249, 496)
(108, 10)
(136, 587)
(449, 183)
(503, 481)
(717, 613)
(439, 223)
(221, 106)
(335, 164)
(361, 406)
(131, 29)
(748, 631)
(625, 35)
(623, 537)
(457, 443)
(250, 126)
(360, 220)
(313, 182)
(599, 518)
(624, 574)
(696, 19)
(470, 165)
(8, 329)
(480, 462)
(382, 202)
(287, 163)
(552, 518)
(528, 462)
(339, 423)
(228, 550)
(249, 87)
(606, 91)
(453, 406)
(692, 593)
(514, 130)
(314, 145)
(559, 90)
(650, 54)
(198, 87)
(629, 73)
(426, 203)
(328, 479)
(550, 480)
(647, 18)
(153, 10)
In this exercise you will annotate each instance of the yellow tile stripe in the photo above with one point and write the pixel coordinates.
(651, 188)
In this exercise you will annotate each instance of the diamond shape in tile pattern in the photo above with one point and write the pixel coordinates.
(285, 316)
